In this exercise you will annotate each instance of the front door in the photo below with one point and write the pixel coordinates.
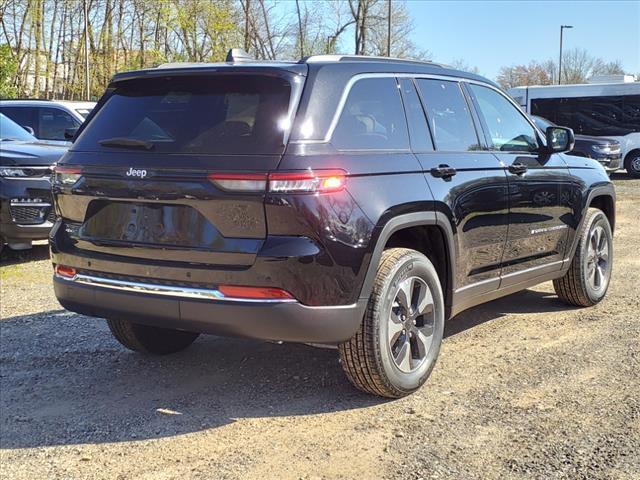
(539, 200)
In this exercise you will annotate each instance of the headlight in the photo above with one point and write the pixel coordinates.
(12, 172)
(606, 149)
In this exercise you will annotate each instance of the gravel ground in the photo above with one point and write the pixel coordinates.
(525, 387)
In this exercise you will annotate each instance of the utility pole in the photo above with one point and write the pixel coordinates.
(388, 28)
(562, 27)
(86, 52)
(300, 30)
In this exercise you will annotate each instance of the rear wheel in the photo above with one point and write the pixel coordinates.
(587, 280)
(395, 349)
(632, 163)
(147, 339)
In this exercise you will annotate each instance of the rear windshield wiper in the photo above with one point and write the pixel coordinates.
(125, 142)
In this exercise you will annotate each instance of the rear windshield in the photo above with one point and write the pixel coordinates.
(224, 114)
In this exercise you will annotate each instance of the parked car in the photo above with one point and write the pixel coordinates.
(605, 150)
(26, 211)
(350, 201)
(47, 120)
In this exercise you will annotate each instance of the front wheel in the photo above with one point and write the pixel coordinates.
(632, 164)
(395, 349)
(587, 280)
(148, 339)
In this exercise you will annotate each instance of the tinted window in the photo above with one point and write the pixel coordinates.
(23, 116)
(53, 122)
(206, 114)
(449, 116)
(506, 127)
(599, 116)
(542, 123)
(372, 117)
(418, 129)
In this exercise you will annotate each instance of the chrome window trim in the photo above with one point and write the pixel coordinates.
(361, 76)
(163, 290)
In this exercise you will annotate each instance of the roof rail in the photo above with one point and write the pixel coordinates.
(364, 58)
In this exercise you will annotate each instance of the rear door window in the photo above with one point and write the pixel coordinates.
(372, 117)
(449, 116)
(418, 129)
(209, 114)
(53, 122)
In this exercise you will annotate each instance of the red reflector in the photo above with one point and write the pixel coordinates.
(65, 271)
(261, 293)
(240, 182)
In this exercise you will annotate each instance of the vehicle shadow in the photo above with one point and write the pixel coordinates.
(65, 381)
(621, 175)
(15, 257)
(526, 301)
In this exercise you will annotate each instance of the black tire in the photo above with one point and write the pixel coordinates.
(147, 339)
(632, 163)
(368, 358)
(576, 287)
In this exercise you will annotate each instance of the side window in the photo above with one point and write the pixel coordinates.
(507, 127)
(449, 116)
(53, 123)
(372, 118)
(418, 128)
(23, 116)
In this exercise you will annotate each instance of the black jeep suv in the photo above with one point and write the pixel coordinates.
(347, 201)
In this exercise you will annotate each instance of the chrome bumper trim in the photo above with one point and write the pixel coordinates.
(165, 290)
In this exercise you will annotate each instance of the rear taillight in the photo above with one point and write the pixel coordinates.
(66, 272)
(254, 293)
(318, 181)
(309, 181)
(240, 182)
(66, 175)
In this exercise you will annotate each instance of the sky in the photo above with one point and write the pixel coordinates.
(493, 34)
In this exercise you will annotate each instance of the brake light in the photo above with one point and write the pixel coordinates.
(256, 293)
(240, 182)
(319, 181)
(66, 175)
(310, 181)
(66, 272)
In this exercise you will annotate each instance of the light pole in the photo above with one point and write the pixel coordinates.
(562, 27)
(388, 28)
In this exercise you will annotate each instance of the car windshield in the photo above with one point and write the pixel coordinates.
(204, 114)
(10, 130)
(542, 123)
(84, 112)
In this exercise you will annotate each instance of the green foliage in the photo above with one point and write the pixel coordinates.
(8, 71)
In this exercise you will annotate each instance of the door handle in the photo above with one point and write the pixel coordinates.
(443, 171)
(518, 168)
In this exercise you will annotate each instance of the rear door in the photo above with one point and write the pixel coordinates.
(539, 188)
(146, 161)
(470, 183)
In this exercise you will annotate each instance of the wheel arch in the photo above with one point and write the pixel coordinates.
(429, 233)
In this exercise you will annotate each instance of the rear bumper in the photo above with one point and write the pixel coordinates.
(270, 320)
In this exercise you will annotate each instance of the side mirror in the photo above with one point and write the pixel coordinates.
(560, 139)
(29, 129)
(70, 133)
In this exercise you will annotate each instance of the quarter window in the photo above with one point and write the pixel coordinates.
(449, 116)
(372, 117)
(507, 128)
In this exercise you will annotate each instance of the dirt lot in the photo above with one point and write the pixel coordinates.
(524, 387)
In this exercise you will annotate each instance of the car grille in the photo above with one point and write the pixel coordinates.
(31, 213)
